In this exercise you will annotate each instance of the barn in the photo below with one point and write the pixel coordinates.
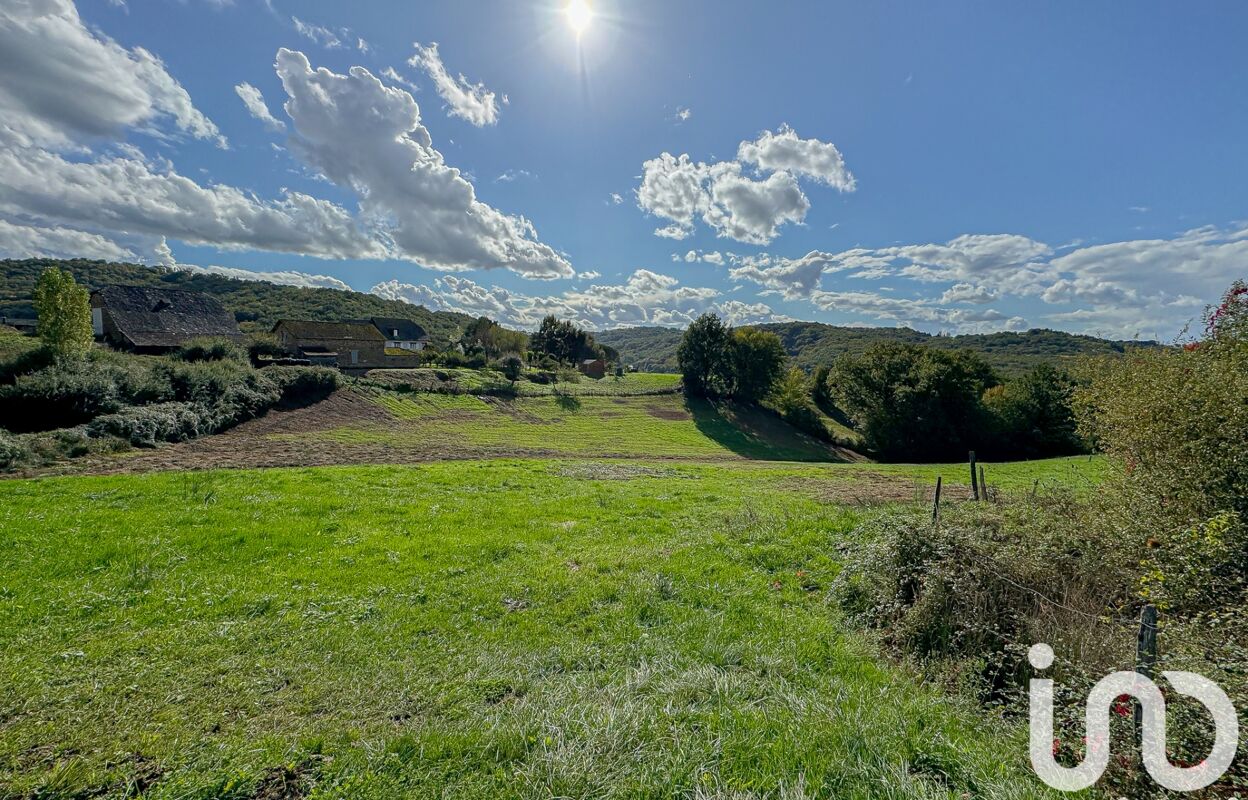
(146, 319)
(346, 345)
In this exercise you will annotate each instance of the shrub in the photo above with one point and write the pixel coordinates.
(262, 346)
(210, 349)
(792, 401)
(147, 426)
(60, 396)
(304, 385)
(12, 453)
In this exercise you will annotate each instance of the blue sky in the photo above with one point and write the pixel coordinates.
(956, 167)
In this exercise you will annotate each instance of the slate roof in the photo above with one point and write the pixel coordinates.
(327, 331)
(156, 317)
(408, 331)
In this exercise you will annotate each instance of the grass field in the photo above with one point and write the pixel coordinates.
(663, 426)
(467, 381)
(475, 629)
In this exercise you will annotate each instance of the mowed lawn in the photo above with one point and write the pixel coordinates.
(481, 629)
(658, 426)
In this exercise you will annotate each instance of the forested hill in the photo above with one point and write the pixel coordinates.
(813, 343)
(256, 304)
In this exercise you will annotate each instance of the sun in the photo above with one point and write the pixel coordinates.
(579, 13)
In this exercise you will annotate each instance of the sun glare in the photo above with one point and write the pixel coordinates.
(579, 13)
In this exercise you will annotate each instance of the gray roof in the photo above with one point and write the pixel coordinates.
(403, 330)
(157, 317)
(330, 331)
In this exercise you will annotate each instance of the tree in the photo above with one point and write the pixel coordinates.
(563, 341)
(64, 310)
(703, 357)
(820, 392)
(513, 367)
(758, 361)
(791, 397)
(912, 402)
(1032, 416)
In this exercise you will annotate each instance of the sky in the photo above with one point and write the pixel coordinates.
(958, 167)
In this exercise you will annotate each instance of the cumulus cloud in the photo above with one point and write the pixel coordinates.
(966, 293)
(362, 134)
(282, 277)
(64, 83)
(254, 100)
(125, 193)
(646, 298)
(911, 311)
(735, 204)
(31, 241)
(466, 100)
(811, 158)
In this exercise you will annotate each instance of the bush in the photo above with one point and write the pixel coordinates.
(25, 363)
(210, 349)
(12, 453)
(304, 385)
(792, 401)
(262, 346)
(147, 426)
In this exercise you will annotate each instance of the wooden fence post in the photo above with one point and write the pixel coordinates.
(983, 483)
(1145, 659)
(936, 503)
(974, 478)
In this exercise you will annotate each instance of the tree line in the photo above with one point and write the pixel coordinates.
(907, 401)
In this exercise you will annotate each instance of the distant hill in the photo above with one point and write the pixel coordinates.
(812, 344)
(255, 304)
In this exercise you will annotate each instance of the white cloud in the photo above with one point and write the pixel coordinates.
(30, 241)
(125, 193)
(736, 205)
(588, 276)
(392, 74)
(966, 293)
(811, 158)
(617, 198)
(64, 84)
(512, 175)
(466, 100)
(916, 311)
(362, 134)
(752, 211)
(254, 100)
(646, 298)
(317, 33)
(683, 114)
(281, 277)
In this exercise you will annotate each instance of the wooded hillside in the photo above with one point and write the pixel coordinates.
(255, 304)
(812, 344)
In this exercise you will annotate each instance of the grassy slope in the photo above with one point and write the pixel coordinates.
(661, 426)
(473, 629)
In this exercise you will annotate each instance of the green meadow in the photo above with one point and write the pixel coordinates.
(492, 628)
